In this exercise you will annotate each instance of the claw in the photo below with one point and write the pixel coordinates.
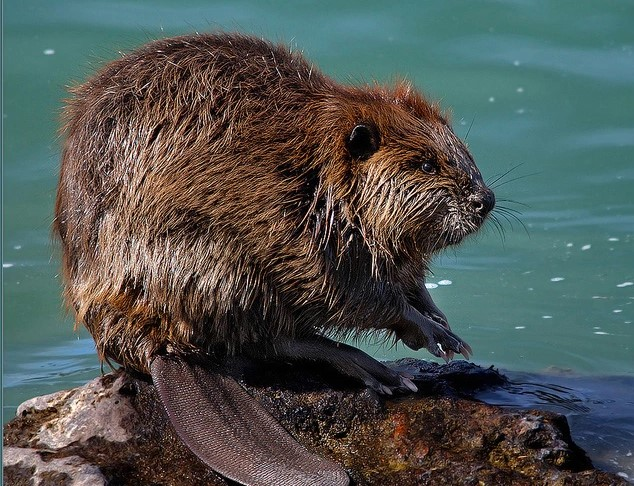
(409, 384)
(442, 353)
(465, 350)
(405, 374)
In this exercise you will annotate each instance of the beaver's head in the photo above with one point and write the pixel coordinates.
(415, 187)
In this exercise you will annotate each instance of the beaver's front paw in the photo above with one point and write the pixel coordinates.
(418, 331)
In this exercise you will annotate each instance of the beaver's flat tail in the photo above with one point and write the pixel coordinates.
(232, 433)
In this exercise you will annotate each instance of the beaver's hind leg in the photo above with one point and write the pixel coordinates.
(345, 359)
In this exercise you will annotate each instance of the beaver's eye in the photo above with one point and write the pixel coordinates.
(429, 168)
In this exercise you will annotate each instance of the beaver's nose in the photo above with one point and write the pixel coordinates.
(483, 201)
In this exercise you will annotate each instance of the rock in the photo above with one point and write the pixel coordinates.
(114, 431)
(22, 464)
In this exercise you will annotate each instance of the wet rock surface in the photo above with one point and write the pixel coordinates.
(113, 431)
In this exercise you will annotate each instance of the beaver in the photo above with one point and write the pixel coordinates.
(219, 195)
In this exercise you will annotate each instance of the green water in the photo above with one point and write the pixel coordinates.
(544, 90)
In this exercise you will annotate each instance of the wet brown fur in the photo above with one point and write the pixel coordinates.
(208, 199)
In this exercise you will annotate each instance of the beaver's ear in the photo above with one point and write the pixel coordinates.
(363, 141)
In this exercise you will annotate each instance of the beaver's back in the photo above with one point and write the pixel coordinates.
(177, 114)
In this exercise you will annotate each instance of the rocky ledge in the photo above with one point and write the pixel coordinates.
(113, 431)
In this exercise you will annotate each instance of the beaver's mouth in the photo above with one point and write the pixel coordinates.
(465, 220)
